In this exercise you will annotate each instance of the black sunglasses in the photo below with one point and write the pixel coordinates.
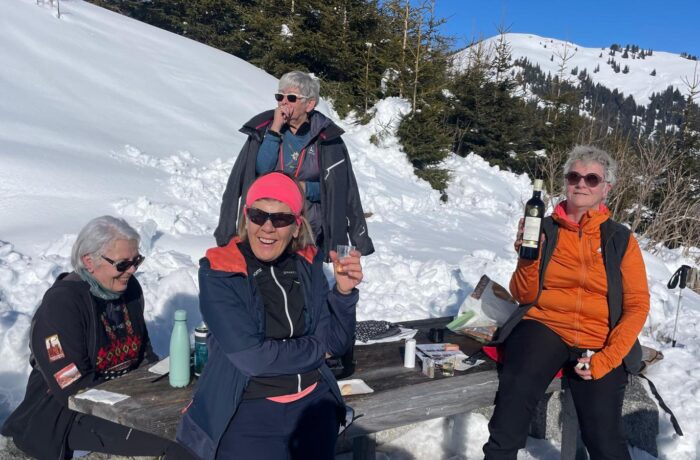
(279, 97)
(124, 265)
(278, 219)
(591, 179)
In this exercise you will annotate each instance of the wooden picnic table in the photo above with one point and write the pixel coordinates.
(401, 396)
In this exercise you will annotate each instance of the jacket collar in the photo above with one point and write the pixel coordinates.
(590, 221)
(320, 125)
(230, 259)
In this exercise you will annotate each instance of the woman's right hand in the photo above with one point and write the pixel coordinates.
(519, 235)
(351, 274)
(280, 118)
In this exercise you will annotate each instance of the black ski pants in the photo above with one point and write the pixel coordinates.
(95, 434)
(533, 354)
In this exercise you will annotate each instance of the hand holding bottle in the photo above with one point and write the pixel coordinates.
(529, 235)
(519, 236)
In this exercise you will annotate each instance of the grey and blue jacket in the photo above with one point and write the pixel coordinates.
(341, 214)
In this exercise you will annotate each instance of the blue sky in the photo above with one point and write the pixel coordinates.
(662, 25)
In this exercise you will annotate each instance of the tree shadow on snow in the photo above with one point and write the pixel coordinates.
(462, 291)
(161, 327)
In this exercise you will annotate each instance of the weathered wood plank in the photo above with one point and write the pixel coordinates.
(422, 401)
(401, 396)
(154, 407)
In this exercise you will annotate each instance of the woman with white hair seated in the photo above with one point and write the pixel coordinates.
(298, 140)
(88, 329)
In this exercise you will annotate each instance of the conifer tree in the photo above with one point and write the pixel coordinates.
(423, 133)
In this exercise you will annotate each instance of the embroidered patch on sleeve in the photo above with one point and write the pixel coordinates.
(67, 375)
(54, 348)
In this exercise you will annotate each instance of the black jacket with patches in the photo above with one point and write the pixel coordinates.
(342, 216)
(70, 316)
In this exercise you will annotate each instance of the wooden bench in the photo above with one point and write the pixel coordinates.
(405, 396)
(401, 396)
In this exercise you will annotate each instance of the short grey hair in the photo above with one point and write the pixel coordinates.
(308, 85)
(591, 154)
(97, 235)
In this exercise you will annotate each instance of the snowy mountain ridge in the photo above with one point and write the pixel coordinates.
(548, 53)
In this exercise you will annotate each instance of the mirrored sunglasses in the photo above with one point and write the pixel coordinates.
(291, 97)
(591, 179)
(124, 265)
(278, 219)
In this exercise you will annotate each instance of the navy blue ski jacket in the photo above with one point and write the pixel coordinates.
(233, 309)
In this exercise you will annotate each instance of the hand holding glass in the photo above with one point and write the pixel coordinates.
(347, 268)
(342, 251)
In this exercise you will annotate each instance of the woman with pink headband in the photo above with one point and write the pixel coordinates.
(266, 391)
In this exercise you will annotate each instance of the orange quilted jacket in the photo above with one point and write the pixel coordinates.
(573, 301)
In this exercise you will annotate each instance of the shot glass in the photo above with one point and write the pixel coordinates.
(448, 368)
(343, 251)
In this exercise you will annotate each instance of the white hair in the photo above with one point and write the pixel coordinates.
(308, 85)
(97, 235)
(591, 154)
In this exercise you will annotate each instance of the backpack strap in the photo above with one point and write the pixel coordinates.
(662, 404)
(551, 233)
(614, 239)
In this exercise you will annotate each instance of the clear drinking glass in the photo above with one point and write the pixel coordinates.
(343, 251)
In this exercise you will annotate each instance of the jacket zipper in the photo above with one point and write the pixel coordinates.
(289, 318)
(286, 306)
(61, 454)
(94, 328)
(328, 170)
(584, 272)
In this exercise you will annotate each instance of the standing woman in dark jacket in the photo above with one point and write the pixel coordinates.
(88, 329)
(266, 392)
(302, 142)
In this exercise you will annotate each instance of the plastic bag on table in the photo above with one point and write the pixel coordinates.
(483, 311)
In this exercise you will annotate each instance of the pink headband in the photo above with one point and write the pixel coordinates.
(277, 186)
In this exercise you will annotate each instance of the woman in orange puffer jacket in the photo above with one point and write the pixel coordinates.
(587, 291)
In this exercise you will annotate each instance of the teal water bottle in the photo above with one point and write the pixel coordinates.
(180, 351)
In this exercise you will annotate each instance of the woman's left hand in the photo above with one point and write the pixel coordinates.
(348, 271)
(583, 368)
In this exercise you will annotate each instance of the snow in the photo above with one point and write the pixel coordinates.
(671, 69)
(100, 114)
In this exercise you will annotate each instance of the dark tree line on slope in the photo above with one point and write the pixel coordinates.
(665, 111)
(363, 50)
(510, 113)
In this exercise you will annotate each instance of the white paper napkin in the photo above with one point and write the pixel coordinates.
(102, 396)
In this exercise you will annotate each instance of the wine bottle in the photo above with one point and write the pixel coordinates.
(534, 212)
(179, 351)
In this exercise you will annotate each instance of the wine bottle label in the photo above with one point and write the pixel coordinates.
(531, 232)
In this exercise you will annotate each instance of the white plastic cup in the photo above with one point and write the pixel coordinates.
(409, 356)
